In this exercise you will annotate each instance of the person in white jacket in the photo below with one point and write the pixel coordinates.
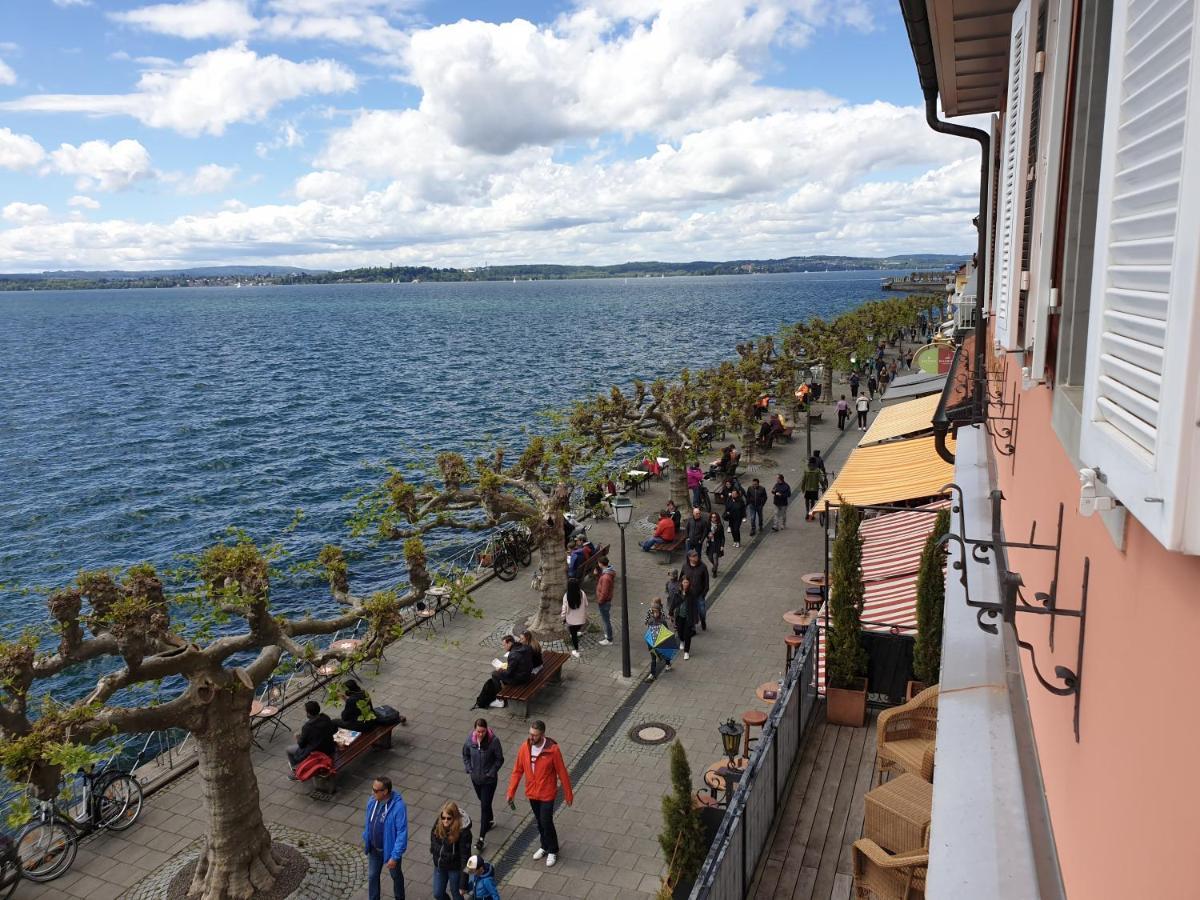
(574, 612)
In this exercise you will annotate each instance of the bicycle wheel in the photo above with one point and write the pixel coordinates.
(46, 850)
(705, 501)
(525, 552)
(119, 801)
(10, 872)
(504, 565)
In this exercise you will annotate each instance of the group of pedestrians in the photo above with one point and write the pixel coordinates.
(459, 868)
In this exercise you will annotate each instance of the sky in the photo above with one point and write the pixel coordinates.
(341, 133)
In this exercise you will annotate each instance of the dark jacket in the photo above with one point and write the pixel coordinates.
(351, 714)
(686, 614)
(696, 530)
(520, 665)
(317, 734)
(782, 491)
(451, 857)
(483, 764)
(698, 575)
(735, 510)
(716, 536)
(756, 496)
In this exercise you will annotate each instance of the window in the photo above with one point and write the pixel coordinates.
(1141, 399)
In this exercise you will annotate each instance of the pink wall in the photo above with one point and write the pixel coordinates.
(1123, 801)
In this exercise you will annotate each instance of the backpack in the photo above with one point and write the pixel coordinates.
(316, 763)
(385, 715)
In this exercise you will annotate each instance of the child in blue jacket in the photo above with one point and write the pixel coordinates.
(481, 884)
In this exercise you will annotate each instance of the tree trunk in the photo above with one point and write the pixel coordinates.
(679, 491)
(547, 624)
(236, 862)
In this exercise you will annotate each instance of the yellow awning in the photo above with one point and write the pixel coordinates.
(903, 418)
(890, 473)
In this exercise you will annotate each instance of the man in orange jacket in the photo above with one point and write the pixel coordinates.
(540, 761)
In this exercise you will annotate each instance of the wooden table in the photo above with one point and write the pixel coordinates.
(345, 645)
(637, 478)
(897, 814)
(814, 579)
(799, 619)
(767, 686)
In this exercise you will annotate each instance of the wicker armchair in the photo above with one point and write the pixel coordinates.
(905, 737)
(879, 875)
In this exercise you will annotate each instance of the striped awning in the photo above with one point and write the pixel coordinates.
(891, 473)
(892, 543)
(906, 418)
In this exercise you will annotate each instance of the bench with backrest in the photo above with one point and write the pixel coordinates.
(552, 663)
(670, 547)
(378, 737)
(589, 567)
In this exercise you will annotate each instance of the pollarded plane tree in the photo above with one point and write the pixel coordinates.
(671, 418)
(221, 639)
(534, 490)
(740, 385)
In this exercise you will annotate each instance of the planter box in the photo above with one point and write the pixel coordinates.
(847, 707)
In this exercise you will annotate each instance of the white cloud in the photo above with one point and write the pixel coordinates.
(207, 93)
(199, 19)
(207, 179)
(66, 3)
(19, 151)
(7, 75)
(101, 166)
(25, 213)
(79, 201)
(330, 187)
(288, 138)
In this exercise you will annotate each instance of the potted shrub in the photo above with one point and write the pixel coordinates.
(931, 601)
(845, 656)
(682, 839)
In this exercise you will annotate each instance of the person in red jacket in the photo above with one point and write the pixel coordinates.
(540, 762)
(664, 532)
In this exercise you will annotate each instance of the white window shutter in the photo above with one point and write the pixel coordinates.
(987, 303)
(1013, 163)
(1142, 385)
(1048, 168)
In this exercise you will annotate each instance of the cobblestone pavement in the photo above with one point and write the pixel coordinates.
(609, 846)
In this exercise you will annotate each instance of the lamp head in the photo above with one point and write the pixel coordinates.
(622, 509)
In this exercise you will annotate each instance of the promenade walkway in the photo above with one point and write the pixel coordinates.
(609, 845)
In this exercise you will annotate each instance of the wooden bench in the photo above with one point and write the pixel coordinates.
(379, 737)
(552, 664)
(589, 567)
(670, 548)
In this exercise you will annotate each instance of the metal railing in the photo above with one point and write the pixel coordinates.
(762, 792)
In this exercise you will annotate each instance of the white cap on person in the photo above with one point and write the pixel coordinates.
(473, 862)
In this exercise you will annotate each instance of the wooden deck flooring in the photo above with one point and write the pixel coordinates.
(809, 855)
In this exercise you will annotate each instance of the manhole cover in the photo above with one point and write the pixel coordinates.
(649, 733)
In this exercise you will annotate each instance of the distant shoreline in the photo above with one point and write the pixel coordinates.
(250, 277)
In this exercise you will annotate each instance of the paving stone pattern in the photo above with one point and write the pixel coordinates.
(609, 845)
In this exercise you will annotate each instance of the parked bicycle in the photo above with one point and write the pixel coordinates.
(46, 846)
(500, 558)
(10, 867)
(519, 543)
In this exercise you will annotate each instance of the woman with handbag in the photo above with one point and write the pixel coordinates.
(714, 544)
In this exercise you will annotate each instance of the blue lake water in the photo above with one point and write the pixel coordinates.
(137, 425)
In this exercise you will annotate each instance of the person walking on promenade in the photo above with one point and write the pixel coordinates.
(481, 880)
(782, 493)
(756, 499)
(819, 461)
(385, 837)
(450, 847)
(853, 384)
(861, 405)
(655, 618)
(843, 411)
(735, 513)
(672, 588)
(695, 478)
(664, 532)
(715, 541)
(697, 574)
(685, 613)
(696, 530)
(574, 613)
(604, 594)
(483, 758)
(810, 484)
(872, 385)
(540, 763)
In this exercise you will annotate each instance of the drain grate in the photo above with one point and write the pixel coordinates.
(650, 733)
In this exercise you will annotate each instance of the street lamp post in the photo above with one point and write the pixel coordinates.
(622, 508)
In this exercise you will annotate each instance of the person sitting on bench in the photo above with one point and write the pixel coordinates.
(535, 650)
(315, 735)
(516, 669)
(664, 532)
(356, 707)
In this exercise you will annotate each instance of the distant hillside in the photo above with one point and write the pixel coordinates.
(216, 276)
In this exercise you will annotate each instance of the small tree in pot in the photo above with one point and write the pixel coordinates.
(931, 601)
(682, 839)
(846, 659)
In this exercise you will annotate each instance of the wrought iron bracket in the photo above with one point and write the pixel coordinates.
(1012, 600)
(1004, 410)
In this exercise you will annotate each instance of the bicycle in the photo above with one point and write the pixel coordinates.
(10, 867)
(517, 541)
(500, 558)
(46, 846)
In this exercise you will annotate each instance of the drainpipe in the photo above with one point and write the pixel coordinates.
(916, 21)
